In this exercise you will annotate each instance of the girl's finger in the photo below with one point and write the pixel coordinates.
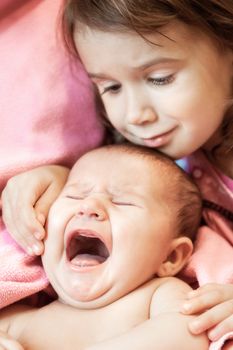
(225, 290)
(202, 302)
(206, 297)
(211, 317)
(221, 329)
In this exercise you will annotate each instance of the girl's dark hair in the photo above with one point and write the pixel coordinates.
(213, 17)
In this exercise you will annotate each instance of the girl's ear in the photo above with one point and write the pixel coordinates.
(180, 250)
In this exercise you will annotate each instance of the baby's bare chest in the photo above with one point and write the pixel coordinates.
(62, 327)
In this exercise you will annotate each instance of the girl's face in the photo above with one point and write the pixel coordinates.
(168, 90)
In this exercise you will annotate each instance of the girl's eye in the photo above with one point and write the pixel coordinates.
(113, 89)
(162, 80)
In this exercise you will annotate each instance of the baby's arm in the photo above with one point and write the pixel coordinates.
(26, 200)
(12, 321)
(166, 328)
(7, 343)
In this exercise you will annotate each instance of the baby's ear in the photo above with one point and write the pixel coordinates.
(180, 250)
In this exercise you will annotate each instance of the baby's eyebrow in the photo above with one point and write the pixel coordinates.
(113, 191)
(124, 190)
(83, 188)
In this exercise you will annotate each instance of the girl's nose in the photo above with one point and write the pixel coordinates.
(92, 209)
(142, 117)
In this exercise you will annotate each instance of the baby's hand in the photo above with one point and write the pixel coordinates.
(7, 343)
(215, 301)
(26, 200)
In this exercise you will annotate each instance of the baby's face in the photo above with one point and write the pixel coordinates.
(168, 90)
(109, 230)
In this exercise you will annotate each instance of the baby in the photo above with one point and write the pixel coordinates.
(116, 235)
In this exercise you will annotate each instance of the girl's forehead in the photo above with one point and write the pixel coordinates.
(174, 33)
(99, 50)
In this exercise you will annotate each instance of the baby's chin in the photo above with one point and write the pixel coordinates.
(83, 289)
(89, 301)
(95, 289)
(84, 282)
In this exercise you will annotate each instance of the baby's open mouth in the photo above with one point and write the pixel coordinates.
(85, 249)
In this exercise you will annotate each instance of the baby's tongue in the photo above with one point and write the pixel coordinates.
(86, 260)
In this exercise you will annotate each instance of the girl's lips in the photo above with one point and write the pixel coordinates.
(160, 140)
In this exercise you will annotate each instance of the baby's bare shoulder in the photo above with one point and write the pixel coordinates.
(169, 296)
(14, 318)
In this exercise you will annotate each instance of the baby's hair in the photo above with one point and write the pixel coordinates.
(212, 17)
(182, 194)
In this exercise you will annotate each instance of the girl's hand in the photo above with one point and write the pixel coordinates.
(7, 343)
(215, 301)
(26, 200)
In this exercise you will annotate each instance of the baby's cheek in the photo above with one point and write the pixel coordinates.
(57, 218)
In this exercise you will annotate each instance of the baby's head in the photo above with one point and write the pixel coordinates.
(156, 65)
(126, 214)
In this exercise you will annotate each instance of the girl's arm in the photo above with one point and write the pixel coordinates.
(26, 200)
(166, 328)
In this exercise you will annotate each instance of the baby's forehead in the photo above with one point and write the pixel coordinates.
(120, 160)
(122, 168)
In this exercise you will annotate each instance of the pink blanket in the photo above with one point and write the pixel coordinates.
(212, 259)
(47, 115)
(20, 274)
(47, 108)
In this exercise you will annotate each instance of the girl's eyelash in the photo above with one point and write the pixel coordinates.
(114, 89)
(162, 80)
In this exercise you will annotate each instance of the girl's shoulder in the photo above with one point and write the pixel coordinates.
(217, 192)
(207, 176)
(196, 163)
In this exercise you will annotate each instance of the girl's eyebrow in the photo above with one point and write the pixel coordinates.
(98, 76)
(156, 61)
(141, 66)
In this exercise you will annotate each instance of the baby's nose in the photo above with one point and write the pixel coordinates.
(92, 209)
